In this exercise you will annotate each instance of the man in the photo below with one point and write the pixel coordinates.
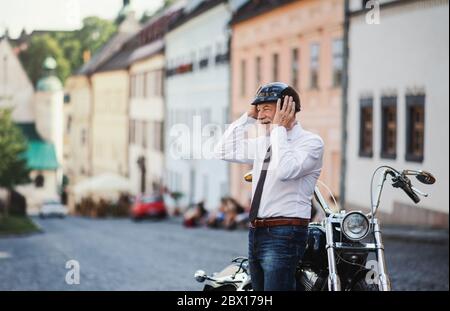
(287, 162)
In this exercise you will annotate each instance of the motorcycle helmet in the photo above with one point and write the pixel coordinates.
(271, 92)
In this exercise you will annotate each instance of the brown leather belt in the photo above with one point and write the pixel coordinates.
(279, 221)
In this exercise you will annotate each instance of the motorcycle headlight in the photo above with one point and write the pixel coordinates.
(355, 226)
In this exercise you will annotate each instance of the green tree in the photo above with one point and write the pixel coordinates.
(13, 166)
(40, 47)
(66, 47)
(95, 33)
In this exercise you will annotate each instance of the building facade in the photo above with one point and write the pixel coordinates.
(197, 102)
(147, 107)
(398, 106)
(77, 165)
(299, 43)
(38, 114)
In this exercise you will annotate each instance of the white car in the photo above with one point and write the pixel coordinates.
(52, 208)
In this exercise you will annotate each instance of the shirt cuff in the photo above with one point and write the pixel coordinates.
(245, 119)
(278, 135)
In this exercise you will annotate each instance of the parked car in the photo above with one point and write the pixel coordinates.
(52, 208)
(148, 206)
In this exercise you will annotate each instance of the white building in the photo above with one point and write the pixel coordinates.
(197, 94)
(39, 115)
(146, 107)
(398, 105)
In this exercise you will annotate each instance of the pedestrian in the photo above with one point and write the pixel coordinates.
(287, 161)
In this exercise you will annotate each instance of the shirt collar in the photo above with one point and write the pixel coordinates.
(295, 131)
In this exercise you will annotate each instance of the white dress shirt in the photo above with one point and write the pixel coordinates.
(295, 165)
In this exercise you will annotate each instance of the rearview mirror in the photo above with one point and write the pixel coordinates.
(426, 178)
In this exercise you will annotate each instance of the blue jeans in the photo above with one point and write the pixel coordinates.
(274, 253)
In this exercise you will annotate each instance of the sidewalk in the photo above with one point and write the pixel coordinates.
(438, 236)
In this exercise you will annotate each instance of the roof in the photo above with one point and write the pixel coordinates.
(105, 53)
(147, 50)
(254, 8)
(40, 155)
(118, 61)
(199, 9)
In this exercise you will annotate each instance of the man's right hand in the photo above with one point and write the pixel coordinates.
(252, 112)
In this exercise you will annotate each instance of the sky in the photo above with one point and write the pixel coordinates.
(61, 14)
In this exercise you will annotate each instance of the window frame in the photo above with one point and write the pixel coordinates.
(386, 103)
(414, 101)
(314, 66)
(365, 103)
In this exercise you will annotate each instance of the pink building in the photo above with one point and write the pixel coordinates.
(298, 42)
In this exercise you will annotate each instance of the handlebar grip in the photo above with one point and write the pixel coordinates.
(404, 183)
(411, 193)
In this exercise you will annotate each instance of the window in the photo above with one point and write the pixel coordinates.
(275, 67)
(144, 134)
(258, 71)
(389, 127)
(159, 83)
(142, 85)
(132, 84)
(294, 68)
(205, 56)
(145, 91)
(161, 136)
(243, 77)
(66, 97)
(314, 78)
(69, 124)
(149, 82)
(83, 136)
(132, 132)
(338, 62)
(366, 127)
(39, 181)
(415, 127)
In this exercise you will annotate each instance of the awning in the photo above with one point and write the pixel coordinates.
(40, 155)
(107, 185)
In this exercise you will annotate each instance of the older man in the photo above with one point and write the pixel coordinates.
(287, 161)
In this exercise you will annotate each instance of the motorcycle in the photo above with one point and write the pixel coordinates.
(338, 247)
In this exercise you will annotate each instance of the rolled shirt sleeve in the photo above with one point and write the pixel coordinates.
(295, 161)
(234, 146)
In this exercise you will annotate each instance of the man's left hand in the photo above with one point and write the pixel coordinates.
(285, 116)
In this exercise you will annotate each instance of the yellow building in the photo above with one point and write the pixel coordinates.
(97, 99)
(77, 138)
(110, 122)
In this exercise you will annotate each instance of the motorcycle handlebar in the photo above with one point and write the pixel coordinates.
(403, 182)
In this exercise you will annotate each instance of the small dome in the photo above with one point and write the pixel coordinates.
(49, 84)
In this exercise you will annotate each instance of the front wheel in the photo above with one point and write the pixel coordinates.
(363, 286)
(224, 288)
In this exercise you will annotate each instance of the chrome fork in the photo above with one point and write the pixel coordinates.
(384, 282)
(334, 282)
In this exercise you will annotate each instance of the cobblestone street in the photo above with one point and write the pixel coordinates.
(123, 255)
